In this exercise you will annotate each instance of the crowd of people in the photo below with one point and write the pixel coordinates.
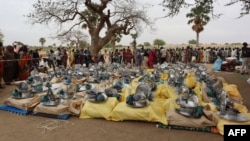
(147, 57)
(16, 63)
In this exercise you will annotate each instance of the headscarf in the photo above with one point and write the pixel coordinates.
(10, 48)
(24, 48)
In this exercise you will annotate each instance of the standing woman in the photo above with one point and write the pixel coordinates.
(151, 58)
(81, 57)
(51, 59)
(116, 56)
(72, 58)
(9, 65)
(87, 56)
(64, 58)
(245, 55)
(58, 55)
(24, 63)
(200, 55)
(36, 58)
(145, 59)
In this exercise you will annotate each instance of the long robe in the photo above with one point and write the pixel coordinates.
(24, 66)
(9, 66)
(151, 59)
(71, 59)
(65, 58)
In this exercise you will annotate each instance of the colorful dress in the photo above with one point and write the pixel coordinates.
(24, 66)
(151, 59)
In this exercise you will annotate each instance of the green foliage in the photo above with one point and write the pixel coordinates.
(119, 45)
(236, 44)
(199, 17)
(193, 41)
(146, 44)
(173, 7)
(134, 36)
(199, 13)
(1, 36)
(42, 41)
(159, 42)
(108, 45)
(83, 44)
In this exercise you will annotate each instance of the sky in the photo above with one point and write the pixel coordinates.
(226, 29)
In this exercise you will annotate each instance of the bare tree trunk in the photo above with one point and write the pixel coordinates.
(113, 43)
(98, 43)
(113, 46)
(95, 47)
(134, 44)
(197, 39)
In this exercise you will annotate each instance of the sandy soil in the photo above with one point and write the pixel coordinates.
(15, 127)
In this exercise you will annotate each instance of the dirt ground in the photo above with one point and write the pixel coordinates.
(15, 127)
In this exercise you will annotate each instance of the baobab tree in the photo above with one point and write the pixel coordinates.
(102, 18)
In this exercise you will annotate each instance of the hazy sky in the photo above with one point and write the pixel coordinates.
(226, 29)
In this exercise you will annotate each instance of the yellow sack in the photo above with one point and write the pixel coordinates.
(190, 81)
(134, 84)
(232, 90)
(168, 92)
(205, 97)
(198, 92)
(170, 104)
(210, 107)
(149, 71)
(151, 113)
(241, 108)
(99, 110)
(157, 92)
(165, 91)
(127, 92)
(222, 122)
(157, 106)
(164, 76)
